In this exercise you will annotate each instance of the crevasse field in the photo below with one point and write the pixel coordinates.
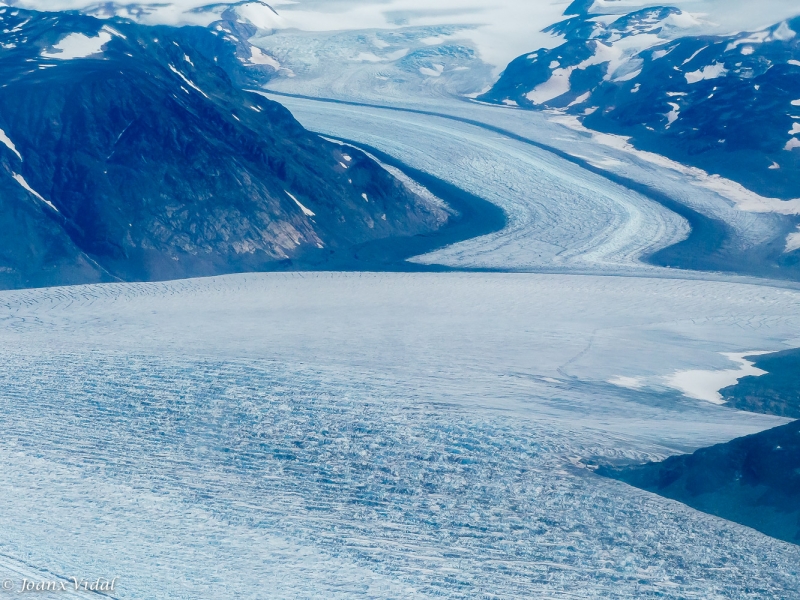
(375, 435)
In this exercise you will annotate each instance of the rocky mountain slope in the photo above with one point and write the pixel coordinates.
(728, 104)
(776, 393)
(133, 152)
(754, 480)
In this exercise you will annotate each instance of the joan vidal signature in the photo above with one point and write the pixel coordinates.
(101, 584)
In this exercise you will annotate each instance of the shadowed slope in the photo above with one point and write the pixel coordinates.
(134, 144)
(754, 480)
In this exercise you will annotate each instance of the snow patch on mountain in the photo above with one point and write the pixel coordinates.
(743, 198)
(307, 212)
(78, 45)
(673, 115)
(557, 85)
(615, 55)
(187, 80)
(9, 144)
(709, 72)
(499, 30)
(257, 57)
(705, 385)
(781, 33)
(21, 180)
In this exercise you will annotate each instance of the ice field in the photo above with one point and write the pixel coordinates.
(558, 213)
(399, 435)
(379, 435)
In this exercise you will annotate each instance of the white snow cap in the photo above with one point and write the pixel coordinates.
(500, 29)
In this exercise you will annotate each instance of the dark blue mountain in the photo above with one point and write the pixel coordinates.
(754, 480)
(729, 105)
(133, 152)
(776, 393)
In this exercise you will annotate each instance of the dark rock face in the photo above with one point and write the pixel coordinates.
(35, 251)
(727, 104)
(142, 158)
(776, 393)
(754, 480)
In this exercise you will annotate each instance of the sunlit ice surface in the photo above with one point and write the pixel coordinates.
(385, 435)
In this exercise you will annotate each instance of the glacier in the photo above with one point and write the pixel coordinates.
(415, 435)
(561, 216)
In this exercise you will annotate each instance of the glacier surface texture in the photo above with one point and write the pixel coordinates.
(379, 435)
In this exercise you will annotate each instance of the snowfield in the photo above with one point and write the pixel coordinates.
(77, 45)
(499, 30)
(387, 435)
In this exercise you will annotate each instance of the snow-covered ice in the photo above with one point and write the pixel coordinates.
(499, 30)
(406, 435)
(633, 383)
(559, 214)
(705, 385)
(793, 241)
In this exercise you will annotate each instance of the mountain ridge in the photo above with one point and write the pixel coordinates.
(153, 162)
(727, 104)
